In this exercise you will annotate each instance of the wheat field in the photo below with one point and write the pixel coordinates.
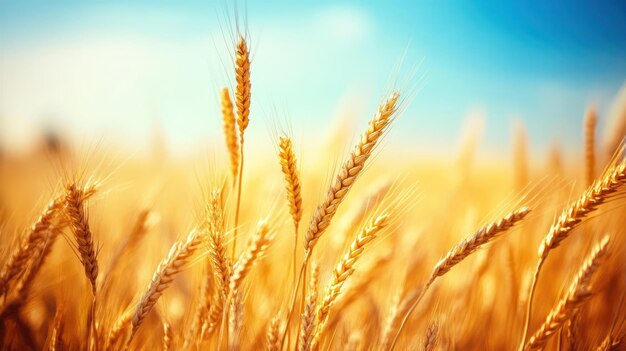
(283, 252)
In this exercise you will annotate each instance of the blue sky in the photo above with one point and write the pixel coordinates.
(111, 69)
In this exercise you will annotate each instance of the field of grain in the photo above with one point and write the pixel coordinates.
(296, 250)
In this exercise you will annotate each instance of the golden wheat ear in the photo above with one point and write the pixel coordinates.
(578, 293)
(344, 270)
(230, 132)
(272, 339)
(457, 254)
(242, 99)
(350, 170)
(256, 248)
(42, 233)
(75, 209)
(180, 254)
(598, 193)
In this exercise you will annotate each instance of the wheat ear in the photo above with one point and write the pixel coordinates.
(579, 292)
(219, 262)
(228, 120)
(37, 235)
(257, 246)
(272, 337)
(289, 167)
(80, 226)
(242, 99)
(308, 316)
(180, 254)
(595, 195)
(168, 336)
(344, 270)
(118, 330)
(235, 320)
(350, 170)
(430, 339)
(591, 121)
(56, 337)
(453, 257)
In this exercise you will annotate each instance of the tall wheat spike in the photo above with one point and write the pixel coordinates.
(80, 226)
(180, 254)
(453, 257)
(228, 120)
(579, 292)
(595, 195)
(350, 170)
(289, 167)
(242, 98)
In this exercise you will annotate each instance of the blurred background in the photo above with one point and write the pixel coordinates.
(122, 73)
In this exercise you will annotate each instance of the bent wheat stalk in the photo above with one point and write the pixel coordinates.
(453, 257)
(596, 194)
(578, 293)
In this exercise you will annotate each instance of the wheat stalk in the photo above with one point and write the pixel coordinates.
(80, 226)
(228, 120)
(180, 254)
(579, 292)
(458, 253)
